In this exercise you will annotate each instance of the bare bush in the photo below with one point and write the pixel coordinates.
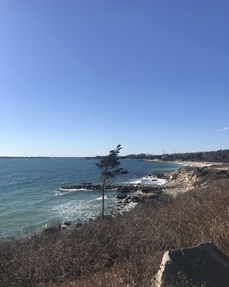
(121, 251)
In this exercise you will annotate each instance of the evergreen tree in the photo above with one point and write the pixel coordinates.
(109, 165)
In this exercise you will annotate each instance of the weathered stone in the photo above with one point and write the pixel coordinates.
(203, 264)
(121, 196)
(92, 219)
(145, 190)
(139, 191)
(135, 199)
(53, 228)
(147, 196)
(126, 200)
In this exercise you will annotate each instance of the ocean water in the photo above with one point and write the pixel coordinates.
(31, 197)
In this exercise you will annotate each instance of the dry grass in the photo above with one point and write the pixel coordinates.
(122, 251)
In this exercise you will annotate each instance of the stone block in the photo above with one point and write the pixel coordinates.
(203, 264)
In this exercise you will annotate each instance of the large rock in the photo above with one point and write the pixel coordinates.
(126, 200)
(147, 196)
(135, 199)
(53, 228)
(121, 196)
(124, 189)
(203, 264)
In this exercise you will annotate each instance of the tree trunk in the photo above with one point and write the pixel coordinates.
(103, 198)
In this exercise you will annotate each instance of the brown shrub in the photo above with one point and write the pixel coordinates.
(120, 251)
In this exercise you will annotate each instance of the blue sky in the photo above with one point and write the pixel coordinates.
(78, 77)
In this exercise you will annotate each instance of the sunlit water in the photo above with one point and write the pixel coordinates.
(31, 197)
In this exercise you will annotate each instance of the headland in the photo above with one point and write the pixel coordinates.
(126, 249)
(188, 177)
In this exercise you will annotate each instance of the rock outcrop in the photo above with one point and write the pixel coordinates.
(203, 265)
(189, 177)
(194, 175)
(181, 180)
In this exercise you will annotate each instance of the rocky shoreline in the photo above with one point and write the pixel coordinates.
(141, 192)
(179, 181)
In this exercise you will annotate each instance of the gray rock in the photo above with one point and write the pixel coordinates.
(126, 189)
(53, 228)
(147, 196)
(121, 196)
(126, 200)
(203, 264)
(135, 199)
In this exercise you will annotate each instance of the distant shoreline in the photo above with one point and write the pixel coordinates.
(191, 163)
(24, 157)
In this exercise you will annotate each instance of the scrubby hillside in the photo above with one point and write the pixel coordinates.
(125, 250)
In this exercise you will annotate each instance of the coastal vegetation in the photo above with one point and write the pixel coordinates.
(125, 250)
(210, 156)
(109, 165)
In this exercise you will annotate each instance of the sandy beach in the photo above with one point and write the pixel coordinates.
(218, 165)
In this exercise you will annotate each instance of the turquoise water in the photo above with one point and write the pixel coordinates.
(31, 197)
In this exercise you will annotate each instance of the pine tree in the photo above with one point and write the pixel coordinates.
(109, 164)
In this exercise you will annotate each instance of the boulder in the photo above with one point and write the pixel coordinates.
(121, 196)
(135, 199)
(203, 264)
(145, 189)
(147, 196)
(126, 200)
(53, 228)
(92, 219)
(139, 191)
(63, 227)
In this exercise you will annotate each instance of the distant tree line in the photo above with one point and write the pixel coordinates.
(211, 156)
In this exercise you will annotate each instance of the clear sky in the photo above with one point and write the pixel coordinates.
(79, 77)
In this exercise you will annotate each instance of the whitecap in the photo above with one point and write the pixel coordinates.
(100, 198)
(67, 189)
(128, 207)
(57, 193)
(134, 181)
(149, 180)
(160, 181)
